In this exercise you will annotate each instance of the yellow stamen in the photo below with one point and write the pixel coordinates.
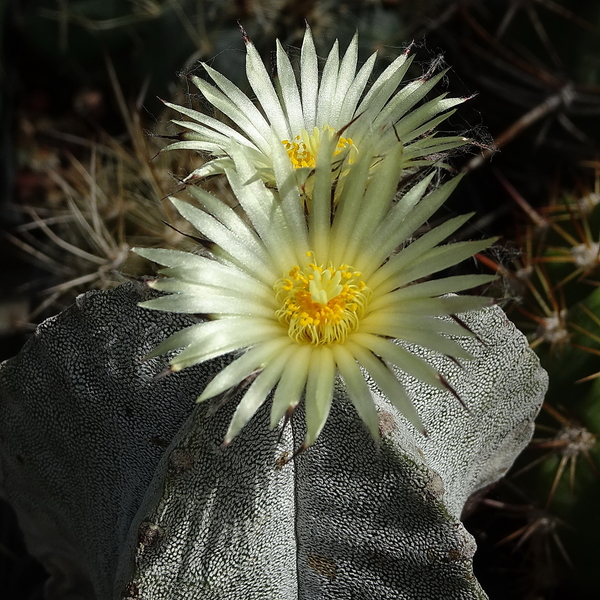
(321, 305)
(302, 150)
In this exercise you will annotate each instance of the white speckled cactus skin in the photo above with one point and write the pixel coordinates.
(84, 424)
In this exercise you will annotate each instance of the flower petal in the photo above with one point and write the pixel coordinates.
(357, 387)
(289, 91)
(397, 272)
(257, 393)
(263, 88)
(328, 85)
(292, 383)
(397, 355)
(309, 80)
(319, 391)
(226, 340)
(345, 78)
(387, 382)
(253, 359)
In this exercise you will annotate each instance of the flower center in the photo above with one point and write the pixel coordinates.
(302, 150)
(321, 305)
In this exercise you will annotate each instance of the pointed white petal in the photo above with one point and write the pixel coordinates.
(399, 273)
(289, 92)
(291, 203)
(215, 333)
(206, 302)
(350, 204)
(384, 86)
(239, 369)
(348, 106)
(427, 289)
(428, 338)
(380, 192)
(328, 87)
(309, 80)
(424, 118)
(261, 83)
(258, 332)
(213, 124)
(386, 381)
(248, 251)
(405, 99)
(252, 119)
(222, 282)
(319, 217)
(222, 277)
(447, 305)
(396, 322)
(213, 167)
(319, 391)
(293, 380)
(385, 240)
(397, 355)
(345, 79)
(357, 387)
(201, 133)
(265, 210)
(258, 392)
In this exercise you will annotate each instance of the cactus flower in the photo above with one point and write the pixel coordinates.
(332, 106)
(301, 294)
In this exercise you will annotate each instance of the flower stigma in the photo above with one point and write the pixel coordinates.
(321, 305)
(303, 148)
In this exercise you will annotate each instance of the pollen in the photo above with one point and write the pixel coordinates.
(321, 305)
(303, 149)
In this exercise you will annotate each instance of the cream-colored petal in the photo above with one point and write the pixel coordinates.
(258, 392)
(292, 383)
(253, 359)
(447, 305)
(246, 115)
(289, 91)
(319, 392)
(379, 195)
(345, 79)
(383, 87)
(397, 355)
(394, 321)
(397, 274)
(354, 93)
(228, 341)
(251, 254)
(309, 80)
(386, 381)
(205, 302)
(319, 217)
(357, 387)
(215, 333)
(405, 99)
(210, 122)
(423, 337)
(428, 289)
(328, 86)
(262, 85)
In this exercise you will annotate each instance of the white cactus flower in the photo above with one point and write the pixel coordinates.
(310, 292)
(329, 105)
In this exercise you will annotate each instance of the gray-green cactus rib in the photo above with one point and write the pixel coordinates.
(84, 421)
(83, 425)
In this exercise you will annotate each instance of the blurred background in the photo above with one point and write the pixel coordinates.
(81, 181)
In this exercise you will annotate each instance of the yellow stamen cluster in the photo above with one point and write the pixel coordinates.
(321, 305)
(302, 150)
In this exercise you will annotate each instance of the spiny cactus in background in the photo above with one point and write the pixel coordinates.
(98, 199)
(556, 285)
